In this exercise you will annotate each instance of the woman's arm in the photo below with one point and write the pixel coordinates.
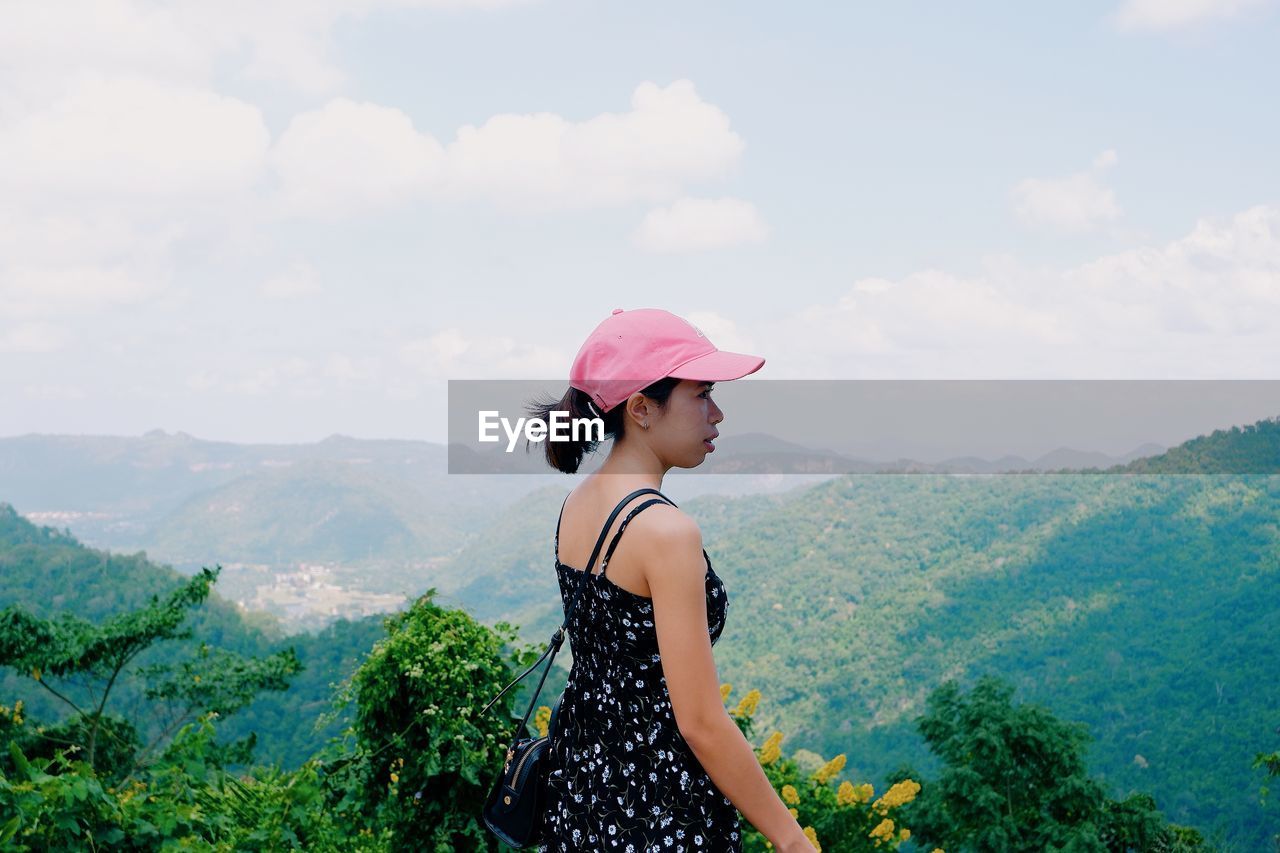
(676, 570)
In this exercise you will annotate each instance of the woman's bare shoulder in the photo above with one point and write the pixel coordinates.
(671, 537)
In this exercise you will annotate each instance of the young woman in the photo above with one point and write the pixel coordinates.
(644, 755)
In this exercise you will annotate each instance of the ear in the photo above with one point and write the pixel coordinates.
(637, 406)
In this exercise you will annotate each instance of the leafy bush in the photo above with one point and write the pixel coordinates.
(426, 757)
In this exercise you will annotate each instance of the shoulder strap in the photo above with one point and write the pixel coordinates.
(604, 565)
(558, 637)
(605, 531)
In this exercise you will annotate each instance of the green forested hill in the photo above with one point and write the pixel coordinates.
(1249, 449)
(1144, 604)
(317, 511)
(1146, 607)
(1143, 607)
(47, 571)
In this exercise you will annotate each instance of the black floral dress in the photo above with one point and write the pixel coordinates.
(621, 777)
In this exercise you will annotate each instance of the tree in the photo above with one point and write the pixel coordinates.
(1014, 779)
(95, 658)
(426, 758)
(1270, 764)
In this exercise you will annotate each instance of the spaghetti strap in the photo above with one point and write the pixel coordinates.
(607, 525)
(604, 565)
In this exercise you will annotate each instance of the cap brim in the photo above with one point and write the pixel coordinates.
(718, 366)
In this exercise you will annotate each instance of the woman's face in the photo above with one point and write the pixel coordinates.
(684, 430)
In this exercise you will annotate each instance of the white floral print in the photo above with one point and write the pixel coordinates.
(647, 790)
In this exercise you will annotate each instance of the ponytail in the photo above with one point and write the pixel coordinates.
(566, 456)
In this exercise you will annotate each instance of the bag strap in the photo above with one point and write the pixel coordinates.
(558, 637)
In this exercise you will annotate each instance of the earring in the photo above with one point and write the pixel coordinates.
(646, 426)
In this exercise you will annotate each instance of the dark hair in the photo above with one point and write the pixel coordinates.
(566, 456)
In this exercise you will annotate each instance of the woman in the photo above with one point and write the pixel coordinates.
(644, 754)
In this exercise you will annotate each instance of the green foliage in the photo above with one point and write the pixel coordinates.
(218, 680)
(1269, 762)
(1143, 606)
(1249, 449)
(181, 801)
(83, 783)
(426, 757)
(69, 646)
(1014, 779)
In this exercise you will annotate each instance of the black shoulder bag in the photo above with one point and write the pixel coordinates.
(514, 809)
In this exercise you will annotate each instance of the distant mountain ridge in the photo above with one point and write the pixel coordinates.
(1140, 604)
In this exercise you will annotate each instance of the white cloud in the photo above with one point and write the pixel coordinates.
(33, 338)
(52, 44)
(280, 41)
(54, 265)
(453, 354)
(298, 280)
(346, 369)
(542, 161)
(1204, 305)
(349, 157)
(1073, 203)
(1170, 14)
(54, 392)
(1218, 281)
(346, 157)
(99, 185)
(291, 376)
(45, 291)
(721, 331)
(134, 137)
(697, 224)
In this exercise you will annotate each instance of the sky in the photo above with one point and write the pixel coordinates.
(279, 220)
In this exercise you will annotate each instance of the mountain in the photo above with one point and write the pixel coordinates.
(114, 490)
(1249, 449)
(46, 572)
(1143, 605)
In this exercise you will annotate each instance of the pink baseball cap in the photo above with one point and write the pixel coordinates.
(631, 350)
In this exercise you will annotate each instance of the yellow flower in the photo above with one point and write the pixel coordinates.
(845, 795)
(790, 794)
(813, 838)
(747, 705)
(725, 690)
(395, 777)
(904, 834)
(35, 673)
(794, 812)
(902, 792)
(542, 720)
(770, 751)
(828, 771)
(196, 679)
(883, 830)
